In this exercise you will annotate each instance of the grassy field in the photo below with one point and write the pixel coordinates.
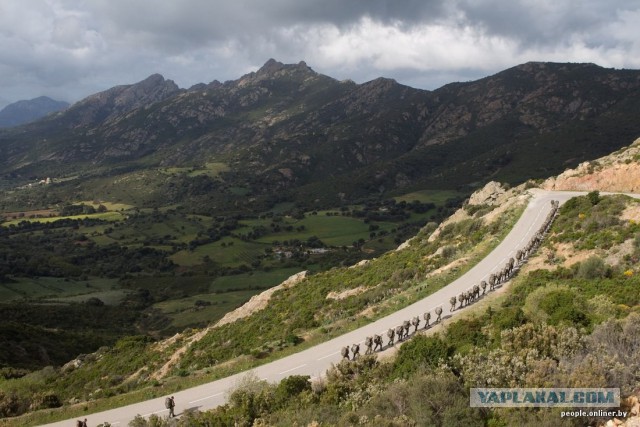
(59, 289)
(184, 312)
(105, 216)
(211, 169)
(257, 280)
(111, 206)
(225, 294)
(226, 252)
(332, 230)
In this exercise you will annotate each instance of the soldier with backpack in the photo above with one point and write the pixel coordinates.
(169, 403)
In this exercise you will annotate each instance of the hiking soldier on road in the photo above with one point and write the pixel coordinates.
(439, 313)
(355, 351)
(415, 322)
(377, 342)
(170, 403)
(368, 342)
(427, 317)
(345, 353)
(391, 335)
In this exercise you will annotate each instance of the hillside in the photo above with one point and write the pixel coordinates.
(26, 111)
(287, 133)
(568, 318)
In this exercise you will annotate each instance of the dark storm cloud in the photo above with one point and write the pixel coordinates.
(68, 49)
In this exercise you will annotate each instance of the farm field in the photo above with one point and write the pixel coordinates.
(58, 289)
(224, 294)
(171, 269)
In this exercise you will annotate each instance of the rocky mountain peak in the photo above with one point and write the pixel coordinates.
(273, 67)
(152, 89)
(119, 100)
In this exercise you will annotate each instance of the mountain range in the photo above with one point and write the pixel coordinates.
(26, 111)
(286, 132)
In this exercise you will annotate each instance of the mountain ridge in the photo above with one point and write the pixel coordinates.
(25, 111)
(285, 129)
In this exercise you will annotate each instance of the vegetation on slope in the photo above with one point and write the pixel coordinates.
(388, 282)
(562, 327)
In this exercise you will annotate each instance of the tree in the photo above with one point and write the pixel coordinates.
(594, 197)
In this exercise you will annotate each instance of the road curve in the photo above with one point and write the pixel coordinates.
(316, 360)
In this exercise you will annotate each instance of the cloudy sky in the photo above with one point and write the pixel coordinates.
(68, 49)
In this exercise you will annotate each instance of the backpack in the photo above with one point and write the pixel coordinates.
(167, 402)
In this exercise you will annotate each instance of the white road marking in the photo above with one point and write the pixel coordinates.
(293, 369)
(329, 355)
(205, 398)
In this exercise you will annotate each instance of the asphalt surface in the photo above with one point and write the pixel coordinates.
(316, 360)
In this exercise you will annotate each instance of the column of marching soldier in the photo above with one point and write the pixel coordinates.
(401, 332)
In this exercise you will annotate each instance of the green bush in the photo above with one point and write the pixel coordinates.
(421, 351)
(464, 334)
(593, 268)
(560, 306)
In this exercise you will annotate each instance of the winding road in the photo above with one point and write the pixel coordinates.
(316, 360)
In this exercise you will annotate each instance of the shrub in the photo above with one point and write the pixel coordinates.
(291, 387)
(419, 352)
(593, 268)
(560, 307)
(594, 197)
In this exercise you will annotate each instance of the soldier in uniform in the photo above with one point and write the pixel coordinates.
(406, 325)
(355, 351)
(368, 342)
(439, 314)
(391, 335)
(377, 341)
(415, 322)
(345, 353)
(427, 317)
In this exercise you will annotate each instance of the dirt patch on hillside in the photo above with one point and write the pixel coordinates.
(345, 294)
(454, 264)
(631, 213)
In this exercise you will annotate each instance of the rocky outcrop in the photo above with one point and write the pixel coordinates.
(260, 301)
(494, 197)
(619, 171)
(112, 104)
(491, 194)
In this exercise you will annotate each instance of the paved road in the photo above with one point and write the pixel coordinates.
(316, 360)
